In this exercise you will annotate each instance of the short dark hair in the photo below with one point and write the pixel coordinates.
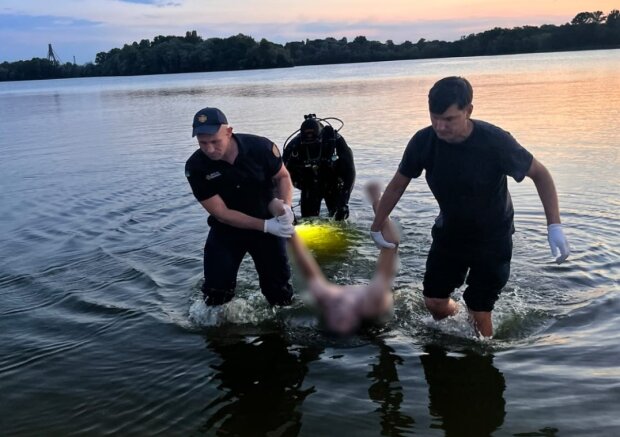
(449, 91)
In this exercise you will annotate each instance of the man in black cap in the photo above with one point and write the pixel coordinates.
(321, 166)
(466, 163)
(239, 179)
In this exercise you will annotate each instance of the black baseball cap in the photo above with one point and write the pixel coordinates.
(208, 121)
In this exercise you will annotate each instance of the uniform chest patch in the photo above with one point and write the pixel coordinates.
(213, 175)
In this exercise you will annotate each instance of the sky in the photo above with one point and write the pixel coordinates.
(79, 29)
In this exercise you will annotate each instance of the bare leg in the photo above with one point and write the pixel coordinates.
(379, 298)
(441, 308)
(386, 264)
(304, 259)
(483, 324)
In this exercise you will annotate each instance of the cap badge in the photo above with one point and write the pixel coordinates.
(201, 118)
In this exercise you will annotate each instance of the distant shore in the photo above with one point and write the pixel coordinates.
(191, 53)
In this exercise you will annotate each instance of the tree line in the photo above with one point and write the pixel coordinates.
(192, 53)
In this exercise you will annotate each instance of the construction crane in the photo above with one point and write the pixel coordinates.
(52, 56)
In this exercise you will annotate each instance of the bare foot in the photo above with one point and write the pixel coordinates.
(373, 191)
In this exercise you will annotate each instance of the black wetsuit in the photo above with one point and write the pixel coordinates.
(322, 170)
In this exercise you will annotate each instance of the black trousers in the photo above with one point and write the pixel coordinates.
(485, 264)
(224, 250)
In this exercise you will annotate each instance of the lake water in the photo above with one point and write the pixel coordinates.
(102, 330)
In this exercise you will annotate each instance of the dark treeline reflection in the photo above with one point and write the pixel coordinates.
(260, 379)
(387, 391)
(260, 385)
(465, 392)
(192, 53)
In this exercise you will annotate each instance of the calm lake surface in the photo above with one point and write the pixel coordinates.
(102, 331)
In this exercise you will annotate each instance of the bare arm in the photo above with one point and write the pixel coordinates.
(304, 259)
(389, 199)
(216, 206)
(284, 186)
(546, 191)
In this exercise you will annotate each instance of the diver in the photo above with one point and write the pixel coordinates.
(321, 165)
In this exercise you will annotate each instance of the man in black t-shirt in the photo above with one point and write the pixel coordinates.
(239, 179)
(466, 163)
(321, 165)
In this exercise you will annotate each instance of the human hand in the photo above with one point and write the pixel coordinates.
(558, 243)
(380, 242)
(278, 228)
(288, 217)
(276, 207)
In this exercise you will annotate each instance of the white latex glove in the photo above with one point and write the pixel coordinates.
(557, 242)
(380, 242)
(278, 228)
(288, 216)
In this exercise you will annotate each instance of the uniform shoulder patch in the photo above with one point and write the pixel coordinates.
(275, 150)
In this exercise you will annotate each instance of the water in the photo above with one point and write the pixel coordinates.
(101, 326)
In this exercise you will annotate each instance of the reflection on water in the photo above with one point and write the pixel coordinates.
(262, 389)
(465, 392)
(261, 383)
(102, 250)
(387, 391)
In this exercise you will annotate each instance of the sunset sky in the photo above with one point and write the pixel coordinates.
(81, 28)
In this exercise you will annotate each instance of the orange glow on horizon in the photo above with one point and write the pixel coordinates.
(406, 10)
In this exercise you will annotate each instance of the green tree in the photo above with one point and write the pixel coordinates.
(191, 53)
(588, 18)
(613, 18)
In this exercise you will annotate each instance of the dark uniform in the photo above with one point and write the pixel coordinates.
(245, 186)
(475, 223)
(321, 165)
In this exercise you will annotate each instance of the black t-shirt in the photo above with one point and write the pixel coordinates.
(468, 179)
(244, 186)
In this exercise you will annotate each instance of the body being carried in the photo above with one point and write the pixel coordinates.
(345, 307)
